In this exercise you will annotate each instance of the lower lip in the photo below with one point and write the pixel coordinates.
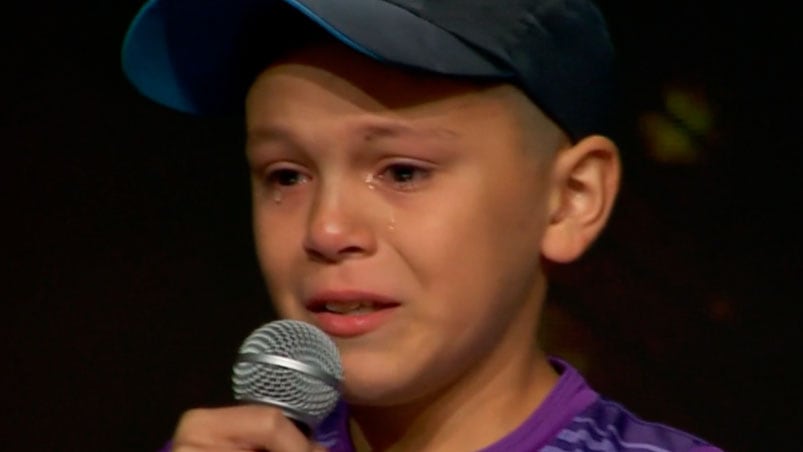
(350, 325)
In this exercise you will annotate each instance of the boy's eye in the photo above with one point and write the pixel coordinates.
(285, 177)
(404, 176)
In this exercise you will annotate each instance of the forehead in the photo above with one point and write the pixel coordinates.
(328, 78)
(331, 67)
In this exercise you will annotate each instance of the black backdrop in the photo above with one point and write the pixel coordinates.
(130, 275)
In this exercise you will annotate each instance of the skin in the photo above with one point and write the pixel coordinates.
(442, 195)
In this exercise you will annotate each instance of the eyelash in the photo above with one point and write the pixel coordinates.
(280, 177)
(400, 176)
(282, 180)
(411, 179)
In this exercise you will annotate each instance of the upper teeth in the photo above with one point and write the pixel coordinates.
(351, 306)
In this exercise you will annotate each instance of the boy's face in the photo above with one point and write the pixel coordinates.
(402, 214)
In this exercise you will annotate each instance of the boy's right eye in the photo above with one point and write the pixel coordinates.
(285, 177)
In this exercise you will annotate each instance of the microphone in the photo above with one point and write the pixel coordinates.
(293, 366)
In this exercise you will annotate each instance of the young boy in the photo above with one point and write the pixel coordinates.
(413, 165)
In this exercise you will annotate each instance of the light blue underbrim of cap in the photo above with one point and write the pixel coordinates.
(189, 54)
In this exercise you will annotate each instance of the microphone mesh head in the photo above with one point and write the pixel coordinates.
(302, 396)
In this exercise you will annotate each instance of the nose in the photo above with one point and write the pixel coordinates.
(339, 226)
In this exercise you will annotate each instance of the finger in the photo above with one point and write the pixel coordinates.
(246, 427)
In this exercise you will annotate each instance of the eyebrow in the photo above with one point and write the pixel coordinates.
(394, 129)
(369, 132)
(268, 133)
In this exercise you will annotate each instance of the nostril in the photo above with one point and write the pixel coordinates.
(352, 250)
(337, 230)
(316, 256)
(321, 255)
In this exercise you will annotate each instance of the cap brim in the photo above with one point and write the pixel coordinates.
(200, 56)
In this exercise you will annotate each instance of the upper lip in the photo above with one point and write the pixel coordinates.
(320, 299)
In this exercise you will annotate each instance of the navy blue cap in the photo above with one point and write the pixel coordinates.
(200, 56)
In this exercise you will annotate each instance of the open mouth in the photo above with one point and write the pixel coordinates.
(351, 313)
(355, 307)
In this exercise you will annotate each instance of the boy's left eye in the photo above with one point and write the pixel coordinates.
(404, 176)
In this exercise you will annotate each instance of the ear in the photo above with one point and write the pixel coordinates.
(585, 180)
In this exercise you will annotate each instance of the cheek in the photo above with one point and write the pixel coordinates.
(516, 213)
(432, 241)
(276, 242)
(495, 223)
(277, 255)
(461, 246)
(489, 249)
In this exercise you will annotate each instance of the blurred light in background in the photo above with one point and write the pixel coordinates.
(680, 133)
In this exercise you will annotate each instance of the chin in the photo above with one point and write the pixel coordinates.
(369, 394)
(370, 383)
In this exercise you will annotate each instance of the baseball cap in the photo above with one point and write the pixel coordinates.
(200, 56)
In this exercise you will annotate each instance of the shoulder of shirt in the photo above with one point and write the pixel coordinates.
(608, 426)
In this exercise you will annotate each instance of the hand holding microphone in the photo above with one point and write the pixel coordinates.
(287, 374)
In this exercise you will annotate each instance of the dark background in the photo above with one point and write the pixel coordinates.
(131, 277)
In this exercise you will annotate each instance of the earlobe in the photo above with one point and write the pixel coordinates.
(585, 181)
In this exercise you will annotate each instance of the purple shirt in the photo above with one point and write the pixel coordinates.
(573, 418)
